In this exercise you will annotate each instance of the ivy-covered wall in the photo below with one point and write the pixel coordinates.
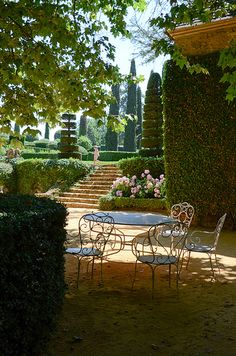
(200, 141)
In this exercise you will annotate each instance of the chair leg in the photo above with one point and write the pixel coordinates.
(217, 264)
(153, 280)
(78, 272)
(212, 267)
(178, 270)
(169, 275)
(189, 253)
(92, 268)
(135, 271)
(101, 272)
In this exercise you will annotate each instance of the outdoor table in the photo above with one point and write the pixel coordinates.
(136, 219)
(139, 219)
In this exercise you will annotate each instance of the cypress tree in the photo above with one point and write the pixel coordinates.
(57, 135)
(111, 136)
(140, 117)
(16, 128)
(46, 134)
(83, 126)
(130, 129)
(152, 140)
(68, 142)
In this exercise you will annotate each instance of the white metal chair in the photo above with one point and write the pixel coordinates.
(182, 212)
(205, 242)
(97, 239)
(156, 249)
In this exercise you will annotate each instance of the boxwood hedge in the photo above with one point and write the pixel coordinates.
(32, 284)
(199, 140)
(38, 175)
(141, 204)
(137, 165)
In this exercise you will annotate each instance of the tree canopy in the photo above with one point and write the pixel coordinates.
(152, 38)
(56, 57)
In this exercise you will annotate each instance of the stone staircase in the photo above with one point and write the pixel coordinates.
(86, 193)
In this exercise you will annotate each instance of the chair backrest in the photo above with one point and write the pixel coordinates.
(95, 229)
(183, 212)
(160, 243)
(218, 229)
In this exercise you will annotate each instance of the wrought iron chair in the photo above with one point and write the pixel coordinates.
(97, 239)
(205, 242)
(158, 249)
(182, 212)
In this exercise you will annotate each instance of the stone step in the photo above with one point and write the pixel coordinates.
(81, 205)
(88, 191)
(79, 200)
(100, 179)
(96, 185)
(88, 194)
(105, 176)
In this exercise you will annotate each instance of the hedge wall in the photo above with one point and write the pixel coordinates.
(120, 203)
(32, 237)
(110, 155)
(199, 142)
(137, 165)
(44, 155)
(39, 175)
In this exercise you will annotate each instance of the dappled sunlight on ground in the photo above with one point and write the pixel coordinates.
(112, 319)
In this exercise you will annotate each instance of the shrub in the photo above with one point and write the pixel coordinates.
(37, 175)
(134, 166)
(142, 204)
(199, 140)
(68, 144)
(112, 155)
(82, 150)
(85, 142)
(144, 187)
(28, 154)
(7, 177)
(152, 117)
(149, 152)
(41, 143)
(53, 145)
(32, 237)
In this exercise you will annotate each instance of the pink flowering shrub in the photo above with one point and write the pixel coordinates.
(144, 187)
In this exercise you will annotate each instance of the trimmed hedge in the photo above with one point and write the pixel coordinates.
(110, 155)
(119, 203)
(152, 116)
(32, 237)
(6, 175)
(38, 175)
(44, 155)
(200, 131)
(136, 166)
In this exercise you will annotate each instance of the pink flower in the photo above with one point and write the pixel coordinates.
(149, 177)
(146, 171)
(149, 185)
